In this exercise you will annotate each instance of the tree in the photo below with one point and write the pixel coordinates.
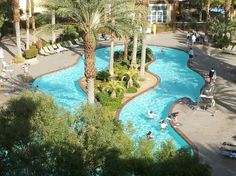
(16, 17)
(53, 23)
(113, 87)
(33, 20)
(36, 139)
(143, 54)
(39, 138)
(130, 75)
(88, 17)
(27, 23)
(227, 6)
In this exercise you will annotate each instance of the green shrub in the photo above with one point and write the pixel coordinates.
(31, 53)
(111, 103)
(103, 75)
(136, 84)
(70, 33)
(131, 90)
(18, 59)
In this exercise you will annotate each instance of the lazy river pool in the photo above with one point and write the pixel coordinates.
(177, 81)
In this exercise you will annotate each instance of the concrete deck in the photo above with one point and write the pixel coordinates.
(205, 131)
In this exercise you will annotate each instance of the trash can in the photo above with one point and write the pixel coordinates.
(154, 28)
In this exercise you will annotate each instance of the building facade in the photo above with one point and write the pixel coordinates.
(161, 11)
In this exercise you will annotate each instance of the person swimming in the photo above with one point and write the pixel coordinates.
(151, 114)
(163, 124)
(149, 135)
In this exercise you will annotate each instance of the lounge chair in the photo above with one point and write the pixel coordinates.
(42, 52)
(48, 51)
(72, 45)
(61, 47)
(228, 146)
(228, 153)
(6, 67)
(78, 42)
(66, 44)
(50, 48)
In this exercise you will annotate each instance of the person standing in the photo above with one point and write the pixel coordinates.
(191, 54)
(25, 68)
(193, 38)
(206, 40)
(211, 74)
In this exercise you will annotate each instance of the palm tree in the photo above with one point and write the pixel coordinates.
(126, 48)
(143, 55)
(33, 20)
(114, 87)
(88, 17)
(53, 23)
(16, 18)
(134, 51)
(111, 64)
(27, 23)
(227, 6)
(131, 75)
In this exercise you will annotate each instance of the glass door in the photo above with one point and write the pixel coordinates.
(159, 16)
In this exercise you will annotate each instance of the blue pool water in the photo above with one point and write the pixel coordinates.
(177, 81)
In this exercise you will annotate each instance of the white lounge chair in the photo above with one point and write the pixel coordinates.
(61, 47)
(50, 48)
(72, 45)
(66, 44)
(42, 52)
(77, 42)
(48, 51)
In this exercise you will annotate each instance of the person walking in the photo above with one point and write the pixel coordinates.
(191, 54)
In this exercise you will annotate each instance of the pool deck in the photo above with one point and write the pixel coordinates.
(205, 131)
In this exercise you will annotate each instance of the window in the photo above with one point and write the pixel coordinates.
(158, 13)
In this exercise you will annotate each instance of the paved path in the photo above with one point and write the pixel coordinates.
(205, 131)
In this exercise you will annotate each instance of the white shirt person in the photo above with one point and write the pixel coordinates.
(151, 114)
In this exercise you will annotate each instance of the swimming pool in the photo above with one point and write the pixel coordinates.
(177, 81)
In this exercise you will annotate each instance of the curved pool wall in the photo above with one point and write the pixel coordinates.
(177, 81)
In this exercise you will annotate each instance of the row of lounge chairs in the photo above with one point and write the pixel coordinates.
(52, 49)
(228, 149)
(57, 48)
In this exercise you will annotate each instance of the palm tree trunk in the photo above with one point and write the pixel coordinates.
(208, 9)
(134, 52)
(111, 65)
(33, 21)
(27, 24)
(16, 17)
(89, 48)
(227, 8)
(143, 55)
(126, 45)
(53, 23)
(174, 16)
